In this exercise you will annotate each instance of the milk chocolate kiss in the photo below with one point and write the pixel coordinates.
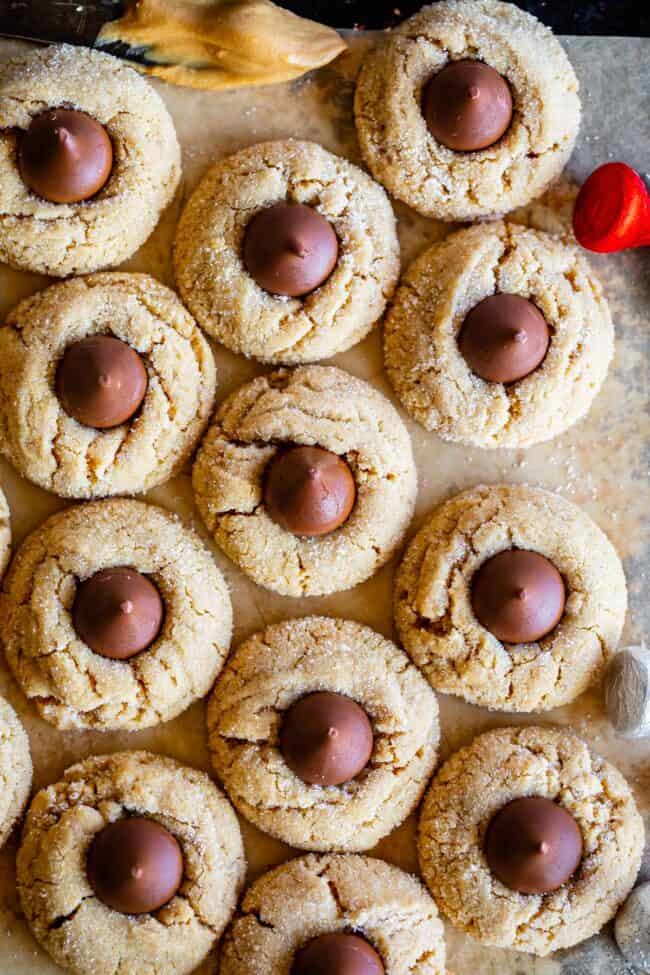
(135, 865)
(326, 738)
(117, 613)
(519, 596)
(101, 381)
(338, 954)
(290, 249)
(533, 845)
(309, 491)
(504, 338)
(467, 106)
(65, 156)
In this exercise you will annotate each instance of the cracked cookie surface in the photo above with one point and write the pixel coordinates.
(432, 379)
(227, 301)
(62, 239)
(54, 450)
(315, 895)
(438, 181)
(70, 685)
(15, 769)
(436, 622)
(80, 932)
(310, 405)
(282, 664)
(474, 784)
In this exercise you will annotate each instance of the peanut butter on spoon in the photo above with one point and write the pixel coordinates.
(216, 44)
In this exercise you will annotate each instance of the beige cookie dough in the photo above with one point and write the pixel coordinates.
(314, 405)
(70, 684)
(5, 533)
(475, 784)
(78, 930)
(433, 609)
(15, 769)
(57, 452)
(227, 301)
(284, 663)
(316, 895)
(432, 379)
(62, 239)
(438, 181)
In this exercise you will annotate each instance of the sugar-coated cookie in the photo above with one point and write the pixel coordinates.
(475, 784)
(86, 423)
(435, 604)
(545, 384)
(365, 452)
(448, 183)
(283, 667)
(47, 632)
(247, 314)
(44, 234)
(319, 896)
(73, 923)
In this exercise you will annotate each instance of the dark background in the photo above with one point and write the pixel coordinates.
(623, 17)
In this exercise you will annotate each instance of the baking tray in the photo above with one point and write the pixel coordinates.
(601, 464)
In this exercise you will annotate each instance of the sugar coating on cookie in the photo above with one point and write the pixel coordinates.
(273, 670)
(70, 684)
(444, 183)
(317, 406)
(317, 895)
(56, 451)
(15, 769)
(478, 781)
(227, 301)
(78, 930)
(436, 622)
(74, 238)
(436, 384)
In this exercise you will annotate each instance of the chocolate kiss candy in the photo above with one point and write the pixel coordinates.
(117, 613)
(533, 846)
(337, 954)
(518, 596)
(65, 156)
(504, 338)
(101, 382)
(309, 491)
(326, 738)
(290, 249)
(135, 865)
(467, 106)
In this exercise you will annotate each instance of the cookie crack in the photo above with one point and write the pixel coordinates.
(257, 917)
(63, 919)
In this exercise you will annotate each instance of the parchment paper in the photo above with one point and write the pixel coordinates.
(601, 464)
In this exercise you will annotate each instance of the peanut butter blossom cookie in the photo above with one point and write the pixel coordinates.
(114, 616)
(528, 840)
(287, 253)
(510, 597)
(15, 769)
(499, 336)
(349, 915)
(467, 109)
(132, 863)
(322, 733)
(88, 161)
(106, 385)
(306, 480)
